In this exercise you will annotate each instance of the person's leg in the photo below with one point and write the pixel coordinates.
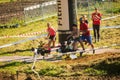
(53, 38)
(89, 39)
(85, 42)
(53, 43)
(75, 45)
(49, 42)
(93, 48)
(81, 42)
(98, 32)
(94, 32)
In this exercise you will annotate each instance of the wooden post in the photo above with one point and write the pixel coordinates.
(66, 18)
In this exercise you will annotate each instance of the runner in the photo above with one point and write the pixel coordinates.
(85, 34)
(96, 18)
(86, 21)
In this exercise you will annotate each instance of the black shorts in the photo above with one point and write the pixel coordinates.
(97, 27)
(52, 37)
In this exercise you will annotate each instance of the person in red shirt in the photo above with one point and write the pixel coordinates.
(51, 34)
(85, 34)
(96, 19)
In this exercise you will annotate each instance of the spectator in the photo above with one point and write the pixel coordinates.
(51, 35)
(75, 35)
(96, 18)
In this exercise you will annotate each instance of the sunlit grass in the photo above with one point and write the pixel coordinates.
(99, 66)
(108, 36)
(3, 1)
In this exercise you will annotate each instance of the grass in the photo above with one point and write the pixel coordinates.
(24, 48)
(51, 71)
(89, 66)
(105, 67)
(3, 1)
(94, 72)
(11, 67)
(33, 27)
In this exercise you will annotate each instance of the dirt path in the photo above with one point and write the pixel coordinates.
(29, 58)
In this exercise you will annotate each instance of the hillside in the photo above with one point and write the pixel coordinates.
(15, 9)
(103, 65)
(93, 67)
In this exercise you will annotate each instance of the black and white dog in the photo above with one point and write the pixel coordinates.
(40, 51)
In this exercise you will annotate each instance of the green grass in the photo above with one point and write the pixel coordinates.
(33, 27)
(3, 1)
(11, 67)
(23, 49)
(51, 71)
(89, 66)
(94, 72)
(76, 68)
(108, 36)
(104, 68)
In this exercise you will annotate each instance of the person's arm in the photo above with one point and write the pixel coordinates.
(48, 34)
(98, 16)
(78, 34)
(92, 17)
(70, 35)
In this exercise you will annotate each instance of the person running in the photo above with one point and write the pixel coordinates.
(85, 34)
(51, 35)
(96, 18)
(86, 21)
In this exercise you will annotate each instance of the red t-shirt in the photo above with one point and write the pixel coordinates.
(96, 17)
(84, 26)
(51, 31)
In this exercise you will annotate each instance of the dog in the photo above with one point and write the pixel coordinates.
(40, 51)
